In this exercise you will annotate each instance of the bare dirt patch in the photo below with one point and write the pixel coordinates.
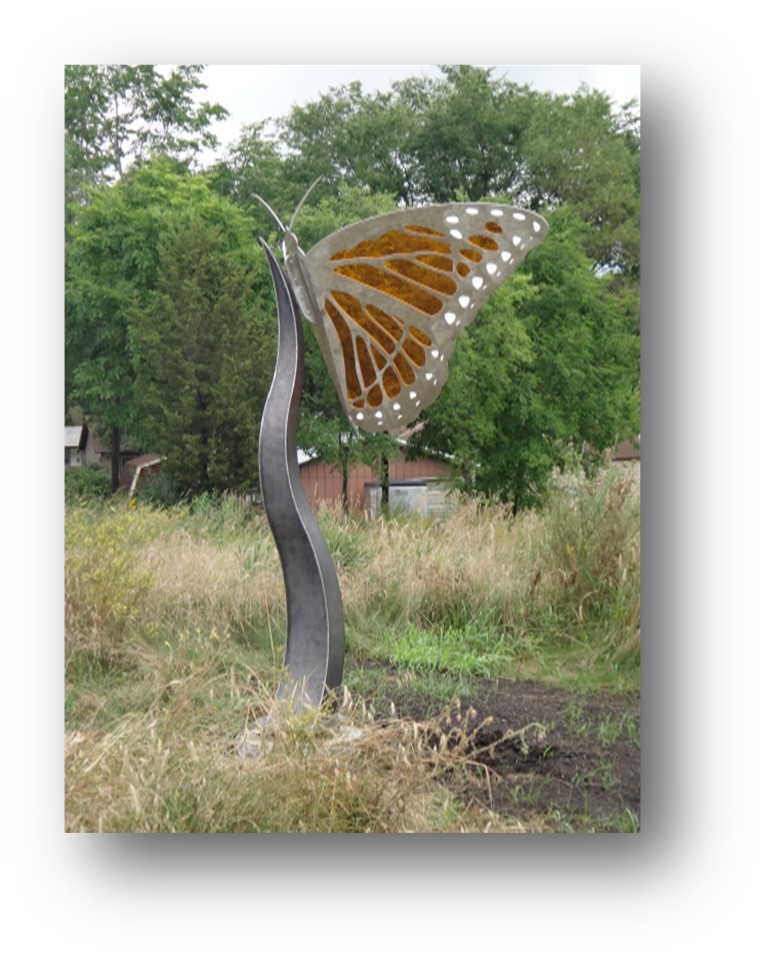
(573, 758)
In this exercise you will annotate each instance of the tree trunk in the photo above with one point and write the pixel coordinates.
(385, 482)
(115, 459)
(344, 462)
(466, 473)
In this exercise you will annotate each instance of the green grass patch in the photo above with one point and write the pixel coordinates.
(472, 651)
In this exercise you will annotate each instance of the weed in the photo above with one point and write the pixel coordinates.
(575, 718)
(612, 728)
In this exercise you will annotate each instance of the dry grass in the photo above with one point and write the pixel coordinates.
(170, 616)
(148, 776)
(230, 587)
(437, 573)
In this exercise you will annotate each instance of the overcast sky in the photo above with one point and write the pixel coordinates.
(253, 93)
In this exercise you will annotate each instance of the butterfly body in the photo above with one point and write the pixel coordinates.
(388, 297)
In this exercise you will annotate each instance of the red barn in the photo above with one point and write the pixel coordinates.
(408, 481)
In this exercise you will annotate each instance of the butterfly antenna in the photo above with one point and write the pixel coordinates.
(269, 209)
(304, 198)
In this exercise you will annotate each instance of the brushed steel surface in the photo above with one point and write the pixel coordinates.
(315, 634)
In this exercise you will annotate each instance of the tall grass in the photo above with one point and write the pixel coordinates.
(175, 622)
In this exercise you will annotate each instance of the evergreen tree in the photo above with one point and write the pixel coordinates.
(202, 362)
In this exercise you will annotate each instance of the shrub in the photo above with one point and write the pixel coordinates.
(86, 483)
(105, 587)
(160, 490)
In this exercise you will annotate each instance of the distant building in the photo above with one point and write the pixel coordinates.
(103, 448)
(79, 448)
(628, 451)
(419, 485)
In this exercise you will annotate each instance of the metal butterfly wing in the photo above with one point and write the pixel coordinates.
(389, 296)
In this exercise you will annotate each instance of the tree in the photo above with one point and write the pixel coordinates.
(202, 357)
(469, 142)
(471, 136)
(110, 268)
(116, 115)
(579, 151)
(254, 165)
(111, 276)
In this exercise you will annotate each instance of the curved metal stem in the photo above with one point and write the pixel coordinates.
(315, 634)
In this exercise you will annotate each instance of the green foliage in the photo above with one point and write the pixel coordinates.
(199, 352)
(86, 483)
(465, 419)
(468, 145)
(253, 165)
(580, 152)
(347, 137)
(160, 490)
(164, 335)
(117, 114)
(105, 587)
(111, 270)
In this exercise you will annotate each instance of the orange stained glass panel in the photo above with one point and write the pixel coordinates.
(379, 359)
(365, 363)
(435, 280)
(428, 231)
(484, 241)
(352, 384)
(420, 336)
(352, 307)
(437, 261)
(390, 284)
(387, 321)
(404, 368)
(395, 242)
(414, 352)
(390, 383)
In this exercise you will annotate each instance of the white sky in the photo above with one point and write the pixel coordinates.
(253, 93)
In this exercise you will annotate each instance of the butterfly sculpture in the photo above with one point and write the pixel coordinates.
(388, 297)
